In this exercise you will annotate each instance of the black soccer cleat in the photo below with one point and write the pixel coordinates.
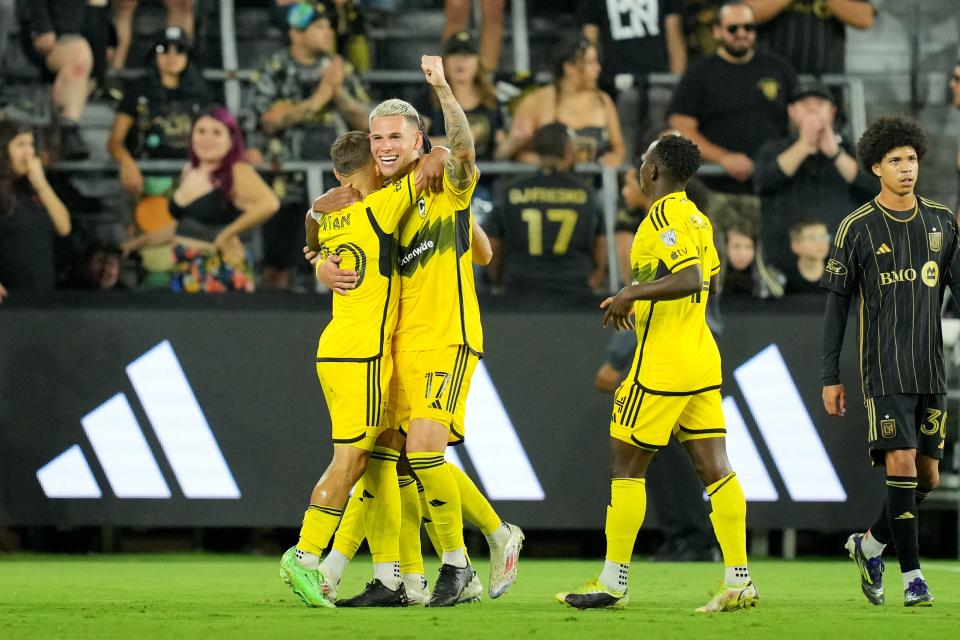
(917, 594)
(376, 594)
(450, 585)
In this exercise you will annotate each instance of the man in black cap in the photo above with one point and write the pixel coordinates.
(153, 119)
(808, 174)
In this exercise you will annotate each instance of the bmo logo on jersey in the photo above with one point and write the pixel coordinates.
(893, 277)
(929, 275)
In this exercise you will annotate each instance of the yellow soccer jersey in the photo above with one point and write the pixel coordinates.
(676, 352)
(438, 299)
(363, 235)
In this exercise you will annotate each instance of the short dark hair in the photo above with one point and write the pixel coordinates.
(742, 227)
(551, 140)
(890, 132)
(351, 152)
(678, 156)
(796, 229)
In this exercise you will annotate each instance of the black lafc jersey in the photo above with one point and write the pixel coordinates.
(897, 263)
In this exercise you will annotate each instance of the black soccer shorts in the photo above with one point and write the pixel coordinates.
(906, 421)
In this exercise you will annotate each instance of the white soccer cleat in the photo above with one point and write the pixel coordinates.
(732, 598)
(504, 562)
(472, 593)
(417, 592)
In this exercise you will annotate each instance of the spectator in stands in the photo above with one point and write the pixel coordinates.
(457, 14)
(305, 89)
(474, 92)
(68, 40)
(7, 15)
(219, 198)
(642, 38)
(352, 41)
(545, 228)
(810, 170)
(153, 120)
(306, 96)
(810, 244)
(955, 99)
(730, 103)
(99, 269)
(31, 214)
(350, 25)
(179, 14)
(635, 39)
(699, 18)
(574, 100)
(811, 34)
(743, 275)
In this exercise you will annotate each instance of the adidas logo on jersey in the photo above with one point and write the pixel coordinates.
(883, 249)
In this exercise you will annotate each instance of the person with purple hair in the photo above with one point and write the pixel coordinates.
(218, 198)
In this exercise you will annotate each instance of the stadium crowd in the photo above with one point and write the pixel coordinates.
(231, 217)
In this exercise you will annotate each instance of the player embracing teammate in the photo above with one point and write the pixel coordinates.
(406, 391)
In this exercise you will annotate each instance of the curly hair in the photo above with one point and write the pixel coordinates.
(887, 133)
(678, 156)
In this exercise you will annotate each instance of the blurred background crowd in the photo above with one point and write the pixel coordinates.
(175, 144)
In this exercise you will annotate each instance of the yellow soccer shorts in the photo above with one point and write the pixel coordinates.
(432, 385)
(646, 420)
(356, 394)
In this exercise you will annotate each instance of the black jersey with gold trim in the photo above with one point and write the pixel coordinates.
(897, 263)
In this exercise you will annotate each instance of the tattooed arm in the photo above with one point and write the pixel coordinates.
(461, 164)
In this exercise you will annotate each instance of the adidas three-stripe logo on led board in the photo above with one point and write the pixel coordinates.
(120, 446)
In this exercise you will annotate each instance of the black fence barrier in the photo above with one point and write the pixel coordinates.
(192, 411)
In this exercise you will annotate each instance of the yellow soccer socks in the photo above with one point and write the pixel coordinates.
(443, 498)
(476, 508)
(729, 517)
(411, 558)
(319, 523)
(381, 496)
(625, 513)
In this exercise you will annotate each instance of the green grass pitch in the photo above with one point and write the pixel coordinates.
(210, 596)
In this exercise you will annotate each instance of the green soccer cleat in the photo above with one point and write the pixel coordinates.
(594, 595)
(307, 584)
(732, 598)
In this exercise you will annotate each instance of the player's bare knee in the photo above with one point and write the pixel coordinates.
(628, 461)
(928, 476)
(392, 439)
(901, 462)
(349, 463)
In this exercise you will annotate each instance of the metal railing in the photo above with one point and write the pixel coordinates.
(314, 173)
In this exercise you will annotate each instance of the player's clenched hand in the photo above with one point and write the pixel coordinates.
(329, 273)
(619, 308)
(429, 173)
(433, 70)
(336, 199)
(835, 400)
